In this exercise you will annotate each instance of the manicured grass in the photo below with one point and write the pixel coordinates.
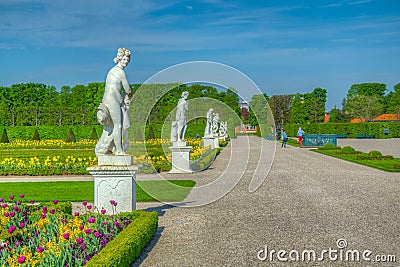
(163, 190)
(382, 164)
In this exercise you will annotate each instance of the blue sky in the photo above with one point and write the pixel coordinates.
(283, 46)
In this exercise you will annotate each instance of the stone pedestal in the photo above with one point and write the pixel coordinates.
(180, 157)
(114, 179)
(216, 142)
(209, 141)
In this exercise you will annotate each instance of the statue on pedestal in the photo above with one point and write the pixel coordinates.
(208, 130)
(113, 110)
(215, 124)
(178, 127)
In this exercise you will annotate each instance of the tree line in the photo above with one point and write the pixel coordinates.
(364, 101)
(35, 104)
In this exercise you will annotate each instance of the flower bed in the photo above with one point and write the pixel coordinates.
(56, 157)
(45, 235)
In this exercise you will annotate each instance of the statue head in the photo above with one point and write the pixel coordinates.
(122, 52)
(185, 94)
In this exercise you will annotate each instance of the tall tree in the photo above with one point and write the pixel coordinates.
(281, 109)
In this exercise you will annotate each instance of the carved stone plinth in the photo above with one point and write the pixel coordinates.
(115, 182)
(211, 141)
(180, 157)
(216, 142)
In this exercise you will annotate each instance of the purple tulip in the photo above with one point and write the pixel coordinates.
(103, 211)
(79, 240)
(15, 208)
(63, 220)
(116, 223)
(52, 211)
(84, 203)
(21, 259)
(96, 234)
(4, 205)
(6, 214)
(65, 235)
(11, 229)
(40, 249)
(55, 201)
(21, 195)
(91, 220)
(32, 201)
(11, 197)
(1, 199)
(19, 202)
(76, 213)
(105, 223)
(88, 231)
(21, 225)
(12, 214)
(89, 207)
(81, 227)
(43, 216)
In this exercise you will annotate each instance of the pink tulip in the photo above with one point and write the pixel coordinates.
(88, 231)
(32, 201)
(103, 211)
(55, 201)
(79, 240)
(84, 203)
(91, 220)
(89, 207)
(76, 213)
(21, 195)
(11, 197)
(65, 235)
(21, 259)
(96, 234)
(52, 211)
(40, 249)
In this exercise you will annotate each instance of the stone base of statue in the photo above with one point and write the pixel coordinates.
(114, 179)
(209, 141)
(216, 142)
(180, 157)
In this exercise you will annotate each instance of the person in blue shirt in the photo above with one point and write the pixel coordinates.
(284, 139)
(300, 134)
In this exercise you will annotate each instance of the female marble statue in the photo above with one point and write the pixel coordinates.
(181, 116)
(113, 110)
(208, 130)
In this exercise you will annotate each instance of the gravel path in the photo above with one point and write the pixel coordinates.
(308, 201)
(386, 146)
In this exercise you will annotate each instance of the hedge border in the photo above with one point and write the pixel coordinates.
(128, 244)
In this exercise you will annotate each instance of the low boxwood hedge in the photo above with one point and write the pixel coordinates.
(127, 246)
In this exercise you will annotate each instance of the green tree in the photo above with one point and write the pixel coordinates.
(393, 100)
(281, 109)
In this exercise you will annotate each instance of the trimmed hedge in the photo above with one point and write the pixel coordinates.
(126, 246)
(49, 132)
(351, 130)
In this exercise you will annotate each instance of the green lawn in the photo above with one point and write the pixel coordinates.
(163, 190)
(389, 165)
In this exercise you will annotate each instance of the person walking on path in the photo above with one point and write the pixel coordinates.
(300, 134)
(284, 139)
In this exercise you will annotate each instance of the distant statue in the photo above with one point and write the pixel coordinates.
(208, 130)
(113, 110)
(215, 124)
(178, 127)
(222, 129)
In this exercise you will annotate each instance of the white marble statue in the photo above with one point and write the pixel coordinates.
(222, 129)
(113, 110)
(181, 116)
(208, 130)
(215, 124)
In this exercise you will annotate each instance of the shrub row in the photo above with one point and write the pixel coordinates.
(50, 132)
(349, 129)
(127, 246)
